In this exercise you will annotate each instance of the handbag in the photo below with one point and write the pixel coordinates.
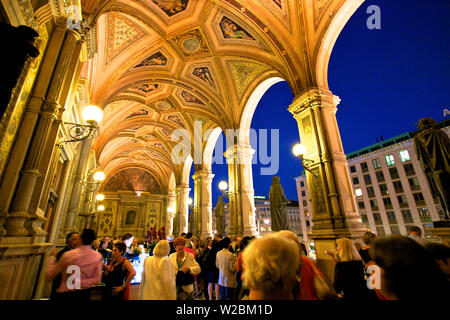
(184, 279)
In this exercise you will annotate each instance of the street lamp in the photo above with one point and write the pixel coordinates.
(223, 186)
(77, 132)
(299, 151)
(92, 186)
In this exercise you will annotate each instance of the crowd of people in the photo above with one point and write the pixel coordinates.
(273, 267)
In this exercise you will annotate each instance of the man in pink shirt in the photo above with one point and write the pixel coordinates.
(80, 269)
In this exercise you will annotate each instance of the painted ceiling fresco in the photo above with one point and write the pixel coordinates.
(160, 65)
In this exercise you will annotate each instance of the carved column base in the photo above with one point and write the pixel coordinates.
(15, 224)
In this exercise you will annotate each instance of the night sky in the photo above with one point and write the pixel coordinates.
(387, 80)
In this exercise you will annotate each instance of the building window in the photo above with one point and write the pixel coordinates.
(414, 184)
(376, 163)
(383, 189)
(409, 169)
(402, 201)
(418, 197)
(364, 167)
(398, 186)
(395, 230)
(394, 173)
(303, 194)
(305, 203)
(364, 218)
(404, 155)
(377, 218)
(355, 180)
(302, 184)
(374, 204)
(390, 160)
(358, 192)
(352, 169)
(367, 179)
(440, 212)
(424, 214)
(361, 205)
(387, 203)
(370, 192)
(407, 218)
(380, 176)
(380, 231)
(391, 217)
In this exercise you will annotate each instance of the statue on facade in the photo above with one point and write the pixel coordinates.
(432, 147)
(219, 213)
(278, 205)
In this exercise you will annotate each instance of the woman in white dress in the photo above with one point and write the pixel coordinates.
(158, 275)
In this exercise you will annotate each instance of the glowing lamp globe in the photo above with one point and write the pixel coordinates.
(101, 207)
(299, 150)
(223, 185)
(100, 197)
(99, 176)
(92, 114)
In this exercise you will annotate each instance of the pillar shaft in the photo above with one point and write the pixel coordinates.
(19, 211)
(202, 203)
(240, 190)
(171, 209)
(183, 208)
(333, 204)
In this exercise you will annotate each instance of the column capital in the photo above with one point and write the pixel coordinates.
(313, 97)
(242, 152)
(203, 175)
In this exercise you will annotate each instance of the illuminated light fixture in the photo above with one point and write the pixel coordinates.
(77, 132)
(92, 186)
(299, 151)
(101, 207)
(99, 176)
(138, 193)
(100, 197)
(358, 192)
(266, 221)
(223, 185)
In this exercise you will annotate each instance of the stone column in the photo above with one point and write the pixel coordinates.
(333, 204)
(170, 213)
(240, 190)
(202, 203)
(84, 149)
(19, 211)
(182, 207)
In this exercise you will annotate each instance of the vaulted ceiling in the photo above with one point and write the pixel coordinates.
(160, 65)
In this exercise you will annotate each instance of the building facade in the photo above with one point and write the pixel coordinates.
(390, 188)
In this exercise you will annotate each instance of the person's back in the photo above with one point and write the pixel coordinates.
(350, 279)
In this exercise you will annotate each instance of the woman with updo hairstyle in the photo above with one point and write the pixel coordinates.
(270, 267)
(368, 238)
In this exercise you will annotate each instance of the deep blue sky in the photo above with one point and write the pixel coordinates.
(387, 80)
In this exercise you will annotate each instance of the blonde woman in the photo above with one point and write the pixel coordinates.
(270, 268)
(158, 275)
(349, 280)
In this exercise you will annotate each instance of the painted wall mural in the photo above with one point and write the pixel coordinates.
(244, 73)
(157, 59)
(204, 74)
(231, 30)
(121, 32)
(176, 119)
(172, 7)
(107, 221)
(190, 98)
(133, 179)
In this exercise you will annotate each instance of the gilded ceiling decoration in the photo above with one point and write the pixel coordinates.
(190, 43)
(164, 64)
(121, 32)
(156, 59)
